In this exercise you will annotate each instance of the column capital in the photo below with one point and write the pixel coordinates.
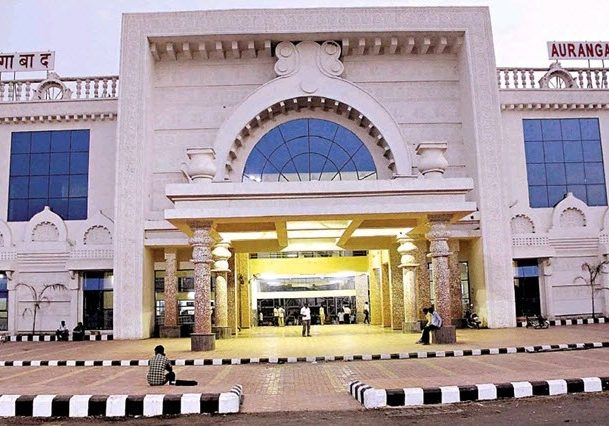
(221, 254)
(438, 235)
(407, 250)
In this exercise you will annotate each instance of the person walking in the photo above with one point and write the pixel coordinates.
(433, 323)
(281, 316)
(305, 315)
(366, 313)
(322, 315)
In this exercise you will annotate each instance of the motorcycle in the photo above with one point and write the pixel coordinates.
(537, 322)
(472, 320)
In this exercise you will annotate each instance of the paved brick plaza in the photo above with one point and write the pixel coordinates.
(306, 386)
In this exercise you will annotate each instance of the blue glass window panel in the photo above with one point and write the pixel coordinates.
(550, 130)
(339, 156)
(79, 141)
(553, 152)
(589, 128)
(294, 129)
(270, 142)
(77, 209)
(60, 207)
(19, 187)
(536, 174)
(317, 163)
(254, 164)
(532, 130)
(39, 187)
(579, 191)
(555, 174)
(79, 162)
(78, 186)
(592, 150)
(302, 165)
(92, 283)
(59, 186)
(36, 205)
(364, 161)
(18, 210)
(39, 164)
(280, 157)
(573, 151)
(570, 129)
(20, 165)
(298, 146)
(60, 141)
(41, 142)
(319, 145)
(597, 195)
(555, 194)
(330, 170)
(575, 173)
(527, 271)
(20, 142)
(538, 196)
(270, 173)
(594, 173)
(534, 152)
(323, 128)
(288, 172)
(60, 163)
(347, 140)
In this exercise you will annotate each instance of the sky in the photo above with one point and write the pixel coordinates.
(85, 34)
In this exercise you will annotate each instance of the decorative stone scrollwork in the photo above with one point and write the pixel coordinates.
(522, 224)
(328, 57)
(572, 218)
(44, 232)
(97, 235)
(557, 78)
(52, 89)
(287, 59)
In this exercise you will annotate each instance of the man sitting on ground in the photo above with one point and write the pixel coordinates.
(157, 366)
(62, 332)
(78, 333)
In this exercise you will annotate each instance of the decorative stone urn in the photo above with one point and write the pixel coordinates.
(201, 166)
(432, 162)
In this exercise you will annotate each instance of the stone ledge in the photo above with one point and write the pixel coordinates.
(120, 405)
(370, 397)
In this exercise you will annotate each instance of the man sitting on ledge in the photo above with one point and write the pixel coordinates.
(62, 332)
(434, 324)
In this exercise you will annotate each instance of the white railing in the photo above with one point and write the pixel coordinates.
(529, 78)
(71, 88)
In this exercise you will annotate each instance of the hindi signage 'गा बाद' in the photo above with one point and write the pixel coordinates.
(28, 61)
(578, 50)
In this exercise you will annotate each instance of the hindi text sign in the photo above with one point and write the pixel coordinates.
(27, 61)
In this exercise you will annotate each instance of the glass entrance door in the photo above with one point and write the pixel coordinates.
(526, 287)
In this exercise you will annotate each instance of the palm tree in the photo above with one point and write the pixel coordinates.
(590, 279)
(39, 298)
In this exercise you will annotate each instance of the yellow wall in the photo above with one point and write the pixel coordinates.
(308, 266)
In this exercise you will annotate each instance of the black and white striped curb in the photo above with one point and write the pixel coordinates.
(370, 397)
(578, 321)
(309, 359)
(120, 405)
(53, 338)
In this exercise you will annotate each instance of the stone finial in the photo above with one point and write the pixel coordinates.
(432, 162)
(201, 166)
(407, 250)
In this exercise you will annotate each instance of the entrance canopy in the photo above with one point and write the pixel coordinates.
(292, 216)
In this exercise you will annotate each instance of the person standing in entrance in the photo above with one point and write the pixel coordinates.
(322, 315)
(347, 314)
(366, 313)
(275, 316)
(281, 316)
(305, 316)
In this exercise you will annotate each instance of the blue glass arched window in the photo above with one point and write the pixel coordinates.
(309, 149)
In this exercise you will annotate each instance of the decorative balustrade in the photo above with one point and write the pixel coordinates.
(554, 77)
(56, 88)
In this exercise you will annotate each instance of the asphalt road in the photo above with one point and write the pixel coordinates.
(584, 409)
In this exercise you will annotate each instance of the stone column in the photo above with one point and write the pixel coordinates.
(201, 241)
(221, 254)
(455, 281)
(374, 272)
(170, 327)
(408, 264)
(361, 297)
(396, 286)
(545, 283)
(245, 303)
(438, 238)
(423, 287)
(385, 295)
(232, 294)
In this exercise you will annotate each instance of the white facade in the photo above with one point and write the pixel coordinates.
(417, 86)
